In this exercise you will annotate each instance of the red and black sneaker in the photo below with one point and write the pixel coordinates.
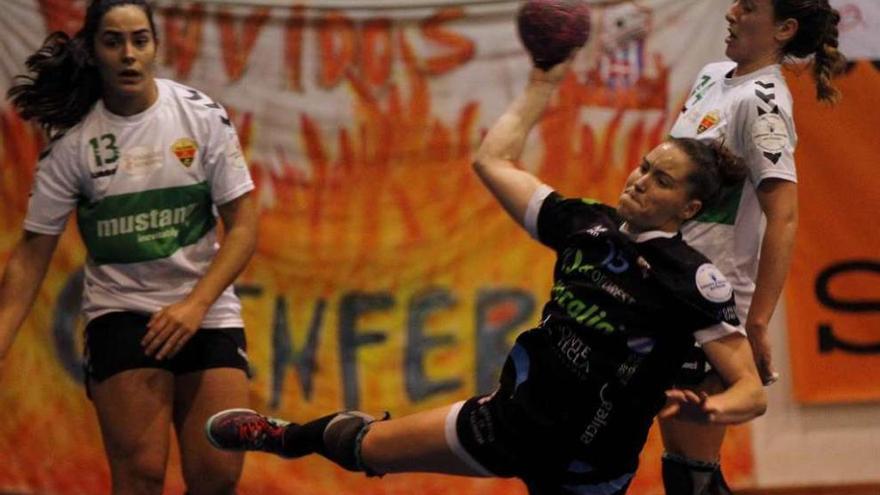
(244, 429)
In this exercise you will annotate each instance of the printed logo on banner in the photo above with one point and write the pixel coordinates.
(851, 17)
(857, 32)
(185, 150)
(624, 30)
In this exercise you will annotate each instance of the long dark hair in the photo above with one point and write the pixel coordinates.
(817, 36)
(63, 83)
(715, 167)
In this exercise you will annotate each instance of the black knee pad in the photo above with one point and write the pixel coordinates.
(683, 476)
(342, 439)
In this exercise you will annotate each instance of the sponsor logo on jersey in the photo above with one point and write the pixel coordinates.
(588, 315)
(600, 419)
(728, 314)
(185, 150)
(574, 352)
(140, 160)
(573, 263)
(629, 367)
(712, 284)
(154, 219)
(482, 425)
(708, 121)
(145, 225)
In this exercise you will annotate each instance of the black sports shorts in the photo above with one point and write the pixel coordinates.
(113, 345)
(521, 430)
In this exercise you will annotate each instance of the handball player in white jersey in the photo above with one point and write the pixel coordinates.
(746, 104)
(150, 166)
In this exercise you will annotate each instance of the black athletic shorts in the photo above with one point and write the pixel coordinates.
(113, 345)
(527, 429)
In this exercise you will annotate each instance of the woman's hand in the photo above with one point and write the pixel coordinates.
(554, 75)
(171, 328)
(690, 405)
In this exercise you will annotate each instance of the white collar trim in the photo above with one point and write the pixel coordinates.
(647, 235)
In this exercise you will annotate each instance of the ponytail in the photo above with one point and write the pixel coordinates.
(817, 36)
(64, 85)
(828, 62)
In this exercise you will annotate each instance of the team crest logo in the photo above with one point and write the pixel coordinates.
(708, 121)
(185, 150)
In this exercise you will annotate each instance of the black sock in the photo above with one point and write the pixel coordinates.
(718, 485)
(308, 438)
(683, 476)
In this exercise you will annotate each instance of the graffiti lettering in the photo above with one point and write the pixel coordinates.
(500, 313)
(365, 48)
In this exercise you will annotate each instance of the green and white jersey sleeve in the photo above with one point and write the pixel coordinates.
(752, 115)
(145, 189)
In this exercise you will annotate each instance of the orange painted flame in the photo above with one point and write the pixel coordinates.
(394, 182)
(19, 150)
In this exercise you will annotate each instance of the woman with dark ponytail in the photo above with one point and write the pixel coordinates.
(65, 83)
(746, 103)
(145, 162)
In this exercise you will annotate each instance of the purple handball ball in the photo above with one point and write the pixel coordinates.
(551, 29)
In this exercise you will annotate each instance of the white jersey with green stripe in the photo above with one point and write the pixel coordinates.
(752, 116)
(145, 188)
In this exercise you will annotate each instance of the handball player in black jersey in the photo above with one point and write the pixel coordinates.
(578, 393)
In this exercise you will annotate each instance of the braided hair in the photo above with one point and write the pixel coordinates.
(817, 35)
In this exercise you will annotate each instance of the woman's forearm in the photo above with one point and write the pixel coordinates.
(21, 280)
(742, 401)
(503, 145)
(506, 138)
(239, 243)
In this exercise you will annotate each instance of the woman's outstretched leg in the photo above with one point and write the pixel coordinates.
(422, 442)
